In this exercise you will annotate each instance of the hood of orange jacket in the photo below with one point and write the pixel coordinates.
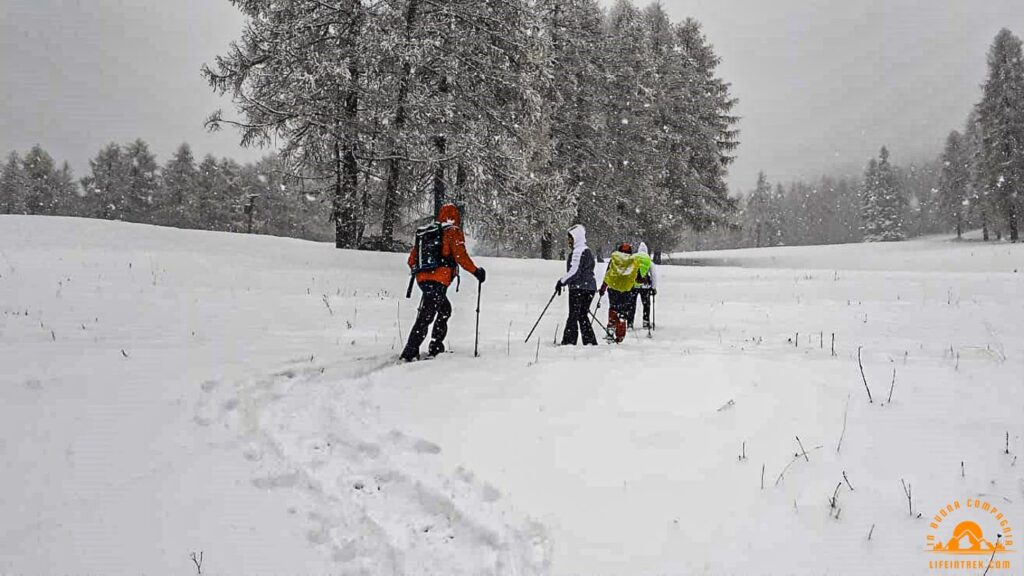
(453, 246)
(449, 214)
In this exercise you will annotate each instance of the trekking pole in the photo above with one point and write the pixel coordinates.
(476, 343)
(654, 310)
(603, 327)
(553, 294)
(412, 280)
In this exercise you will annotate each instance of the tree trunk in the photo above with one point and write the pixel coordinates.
(346, 203)
(441, 145)
(546, 246)
(364, 208)
(440, 187)
(1011, 217)
(390, 215)
(350, 185)
(338, 210)
(959, 227)
(984, 224)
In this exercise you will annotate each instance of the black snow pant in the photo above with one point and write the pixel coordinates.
(620, 310)
(645, 300)
(626, 305)
(434, 307)
(579, 318)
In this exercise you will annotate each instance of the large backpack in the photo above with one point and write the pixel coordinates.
(429, 243)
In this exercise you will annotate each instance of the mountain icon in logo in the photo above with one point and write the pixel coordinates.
(968, 538)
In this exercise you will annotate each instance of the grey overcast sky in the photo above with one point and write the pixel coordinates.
(822, 83)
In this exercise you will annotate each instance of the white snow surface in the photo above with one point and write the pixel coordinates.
(929, 254)
(164, 392)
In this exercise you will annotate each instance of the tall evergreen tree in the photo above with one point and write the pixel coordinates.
(570, 46)
(954, 182)
(69, 200)
(979, 196)
(762, 215)
(214, 205)
(142, 181)
(42, 185)
(12, 185)
(920, 183)
(1001, 116)
(178, 189)
(883, 203)
(296, 76)
(107, 188)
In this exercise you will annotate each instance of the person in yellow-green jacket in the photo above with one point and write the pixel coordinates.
(646, 285)
(619, 278)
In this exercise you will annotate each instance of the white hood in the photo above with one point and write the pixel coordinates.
(643, 248)
(579, 244)
(579, 236)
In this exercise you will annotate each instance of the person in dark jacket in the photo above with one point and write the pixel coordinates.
(434, 306)
(579, 278)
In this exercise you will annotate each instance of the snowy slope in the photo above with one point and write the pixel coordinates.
(932, 253)
(165, 391)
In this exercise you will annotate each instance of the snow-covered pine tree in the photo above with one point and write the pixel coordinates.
(979, 197)
(211, 206)
(811, 213)
(920, 182)
(296, 76)
(283, 209)
(843, 206)
(570, 42)
(69, 201)
(1001, 116)
(490, 140)
(142, 182)
(662, 216)
(524, 111)
(41, 182)
(797, 223)
(106, 187)
(12, 185)
(710, 137)
(177, 190)
(762, 214)
(883, 202)
(626, 121)
(954, 182)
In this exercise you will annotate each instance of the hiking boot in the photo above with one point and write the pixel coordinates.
(647, 325)
(409, 355)
(435, 348)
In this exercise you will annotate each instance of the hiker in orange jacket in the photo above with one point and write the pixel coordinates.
(434, 305)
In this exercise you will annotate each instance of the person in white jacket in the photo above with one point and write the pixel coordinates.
(579, 278)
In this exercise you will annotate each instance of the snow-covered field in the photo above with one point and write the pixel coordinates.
(934, 254)
(165, 392)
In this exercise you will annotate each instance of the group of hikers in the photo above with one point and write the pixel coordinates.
(627, 277)
(440, 249)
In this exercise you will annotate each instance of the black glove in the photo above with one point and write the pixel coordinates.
(558, 288)
(654, 291)
(480, 274)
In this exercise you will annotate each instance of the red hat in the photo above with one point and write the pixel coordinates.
(625, 248)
